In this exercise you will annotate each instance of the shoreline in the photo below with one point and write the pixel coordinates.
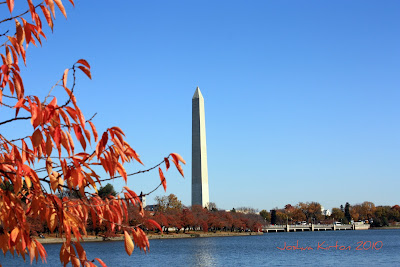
(55, 240)
(385, 227)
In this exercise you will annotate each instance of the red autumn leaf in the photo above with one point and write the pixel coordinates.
(86, 71)
(87, 134)
(37, 138)
(80, 250)
(53, 102)
(49, 146)
(80, 117)
(166, 163)
(20, 33)
(8, 55)
(20, 103)
(47, 15)
(153, 222)
(10, 4)
(57, 136)
(177, 158)
(51, 5)
(84, 62)
(65, 76)
(101, 262)
(94, 131)
(163, 181)
(71, 142)
(14, 234)
(72, 113)
(24, 151)
(136, 156)
(32, 9)
(61, 7)
(79, 135)
(178, 166)
(134, 197)
(122, 172)
(41, 250)
(128, 243)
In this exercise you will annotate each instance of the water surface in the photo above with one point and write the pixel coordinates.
(248, 250)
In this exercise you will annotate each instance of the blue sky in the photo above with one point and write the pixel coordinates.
(301, 98)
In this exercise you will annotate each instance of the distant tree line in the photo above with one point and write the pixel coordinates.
(311, 212)
(171, 215)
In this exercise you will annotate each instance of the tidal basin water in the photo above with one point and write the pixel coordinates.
(330, 248)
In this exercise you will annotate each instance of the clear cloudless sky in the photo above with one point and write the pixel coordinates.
(301, 97)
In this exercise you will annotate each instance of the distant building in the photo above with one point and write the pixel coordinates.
(200, 193)
(143, 200)
(325, 212)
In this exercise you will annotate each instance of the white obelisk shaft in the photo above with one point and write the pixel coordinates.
(200, 194)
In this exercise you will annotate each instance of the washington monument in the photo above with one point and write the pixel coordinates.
(200, 194)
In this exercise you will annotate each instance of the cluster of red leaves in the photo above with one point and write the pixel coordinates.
(65, 167)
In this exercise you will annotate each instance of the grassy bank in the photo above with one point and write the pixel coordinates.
(55, 240)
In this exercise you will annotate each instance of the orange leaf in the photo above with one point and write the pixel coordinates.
(136, 156)
(8, 54)
(79, 136)
(57, 136)
(94, 131)
(49, 146)
(19, 104)
(10, 4)
(122, 172)
(86, 71)
(166, 163)
(42, 251)
(72, 113)
(49, 165)
(50, 3)
(54, 180)
(128, 243)
(14, 234)
(47, 15)
(32, 9)
(61, 7)
(155, 224)
(134, 198)
(87, 134)
(80, 116)
(84, 62)
(37, 138)
(65, 76)
(101, 262)
(178, 158)
(163, 181)
(80, 250)
(24, 150)
(52, 221)
(20, 33)
(71, 142)
(178, 166)
(52, 103)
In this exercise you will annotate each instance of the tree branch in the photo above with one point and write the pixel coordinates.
(15, 119)
(20, 15)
